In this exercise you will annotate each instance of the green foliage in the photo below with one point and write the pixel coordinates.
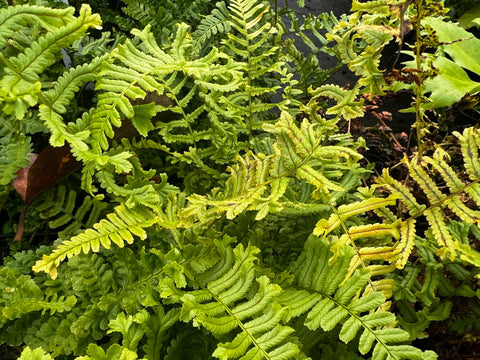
(204, 135)
(61, 211)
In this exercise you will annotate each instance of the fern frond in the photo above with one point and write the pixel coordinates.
(220, 307)
(35, 354)
(22, 295)
(324, 226)
(13, 19)
(60, 209)
(55, 100)
(322, 292)
(402, 192)
(439, 201)
(470, 142)
(405, 245)
(22, 72)
(119, 227)
(347, 104)
(259, 182)
(135, 70)
(14, 153)
(215, 23)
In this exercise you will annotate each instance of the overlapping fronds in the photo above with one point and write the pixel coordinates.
(13, 19)
(362, 38)
(249, 44)
(444, 193)
(64, 210)
(221, 306)
(21, 295)
(347, 104)
(119, 227)
(20, 84)
(258, 182)
(330, 300)
(134, 71)
(460, 197)
(55, 101)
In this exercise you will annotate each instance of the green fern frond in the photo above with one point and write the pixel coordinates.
(55, 100)
(119, 227)
(215, 23)
(91, 276)
(220, 307)
(135, 70)
(21, 83)
(14, 152)
(22, 295)
(61, 209)
(329, 301)
(13, 19)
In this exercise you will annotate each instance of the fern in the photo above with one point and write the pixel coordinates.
(216, 22)
(21, 295)
(56, 99)
(119, 228)
(61, 210)
(436, 210)
(13, 18)
(148, 68)
(36, 354)
(14, 150)
(329, 299)
(218, 307)
(298, 152)
(20, 83)
(438, 201)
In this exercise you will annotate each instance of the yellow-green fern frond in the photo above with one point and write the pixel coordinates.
(258, 182)
(321, 291)
(441, 202)
(21, 82)
(13, 19)
(135, 70)
(324, 226)
(119, 227)
(347, 105)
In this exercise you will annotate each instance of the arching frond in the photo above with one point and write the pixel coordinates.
(55, 100)
(119, 227)
(221, 306)
(13, 19)
(330, 300)
(61, 210)
(216, 22)
(258, 182)
(21, 79)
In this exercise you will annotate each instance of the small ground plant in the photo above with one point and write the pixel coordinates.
(182, 186)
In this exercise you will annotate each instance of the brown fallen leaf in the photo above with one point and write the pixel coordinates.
(44, 171)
